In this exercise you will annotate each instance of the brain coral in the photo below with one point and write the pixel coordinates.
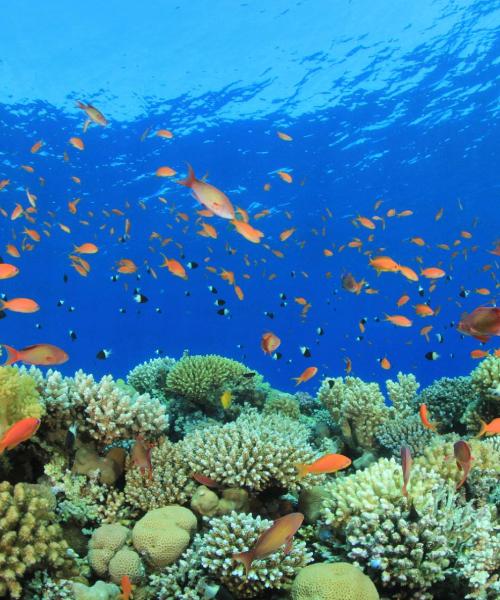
(19, 397)
(256, 451)
(337, 581)
(163, 534)
(201, 379)
(30, 539)
(171, 482)
(238, 532)
(106, 540)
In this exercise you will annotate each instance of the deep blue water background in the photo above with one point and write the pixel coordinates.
(394, 102)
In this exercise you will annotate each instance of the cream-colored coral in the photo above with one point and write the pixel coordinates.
(238, 532)
(126, 562)
(104, 543)
(99, 591)
(207, 503)
(358, 408)
(282, 404)
(402, 393)
(171, 481)
(486, 378)
(338, 581)
(163, 534)
(19, 397)
(256, 451)
(30, 538)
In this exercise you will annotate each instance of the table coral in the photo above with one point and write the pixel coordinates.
(171, 481)
(337, 581)
(19, 397)
(30, 538)
(238, 532)
(256, 451)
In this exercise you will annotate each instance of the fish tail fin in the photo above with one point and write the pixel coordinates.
(482, 430)
(246, 558)
(12, 355)
(190, 179)
(302, 470)
(298, 380)
(80, 104)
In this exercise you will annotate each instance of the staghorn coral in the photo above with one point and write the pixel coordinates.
(357, 406)
(103, 410)
(238, 532)
(339, 581)
(402, 394)
(19, 397)
(447, 399)
(171, 482)
(151, 376)
(255, 451)
(30, 539)
(486, 378)
(202, 378)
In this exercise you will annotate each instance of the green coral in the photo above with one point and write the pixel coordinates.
(284, 404)
(151, 376)
(256, 451)
(201, 379)
(30, 538)
(19, 397)
(238, 532)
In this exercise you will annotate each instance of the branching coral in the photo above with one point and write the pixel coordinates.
(446, 400)
(284, 404)
(170, 483)
(151, 376)
(238, 532)
(357, 406)
(19, 397)
(103, 410)
(486, 378)
(255, 451)
(29, 537)
(201, 379)
(407, 431)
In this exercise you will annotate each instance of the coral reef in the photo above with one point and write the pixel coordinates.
(338, 581)
(19, 397)
(207, 503)
(447, 399)
(256, 451)
(151, 376)
(30, 538)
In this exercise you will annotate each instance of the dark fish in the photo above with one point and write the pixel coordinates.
(212, 289)
(269, 314)
(114, 277)
(158, 310)
(219, 302)
(65, 278)
(276, 356)
(431, 355)
(305, 351)
(72, 335)
(60, 303)
(140, 298)
(320, 331)
(223, 312)
(192, 265)
(103, 354)
(38, 326)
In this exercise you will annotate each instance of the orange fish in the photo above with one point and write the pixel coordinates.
(432, 273)
(7, 271)
(348, 365)
(398, 320)
(405, 213)
(93, 113)
(4, 183)
(31, 233)
(239, 292)
(482, 291)
(284, 235)
(208, 231)
(403, 300)
(20, 305)
(208, 195)
(36, 147)
(126, 266)
(385, 364)
(18, 433)
(77, 143)
(227, 276)
(425, 331)
(423, 310)
(327, 252)
(478, 354)
(174, 266)
(38, 354)
(307, 374)
(463, 456)
(424, 417)
(141, 456)
(481, 323)
(350, 284)
(87, 248)
(247, 231)
(408, 273)
(439, 214)
(16, 213)
(284, 136)
(406, 462)
(28, 168)
(491, 428)
(285, 176)
(365, 222)
(126, 586)
(269, 342)
(280, 533)
(329, 463)
(384, 264)
(165, 172)
(12, 251)
(164, 133)
(418, 241)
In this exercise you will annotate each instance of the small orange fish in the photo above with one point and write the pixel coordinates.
(365, 222)
(36, 147)
(424, 417)
(165, 172)
(72, 206)
(285, 176)
(12, 251)
(208, 231)
(77, 143)
(418, 241)
(247, 231)
(31, 233)
(398, 320)
(239, 292)
(384, 264)
(350, 284)
(403, 300)
(408, 273)
(327, 252)
(269, 342)
(307, 374)
(433, 273)
(141, 456)
(18, 433)
(405, 213)
(329, 463)
(284, 235)
(280, 533)
(463, 456)
(93, 113)
(7, 271)
(423, 310)
(174, 266)
(439, 214)
(164, 133)
(384, 363)
(208, 195)
(126, 586)
(482, 291)
(87, 248)
(491, 428)
(478, 354)
(425, 331)
(348, 365)
(126, 266)
(38, 354)
(28, 168)
(20, 305)
(284, 136)
(4, 183)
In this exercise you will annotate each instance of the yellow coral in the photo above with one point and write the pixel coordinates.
(126, 562)
(337, 581)
(105, 542)
(19, 397)
(163, 534)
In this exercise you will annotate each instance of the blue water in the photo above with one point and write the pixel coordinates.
(392, 101)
